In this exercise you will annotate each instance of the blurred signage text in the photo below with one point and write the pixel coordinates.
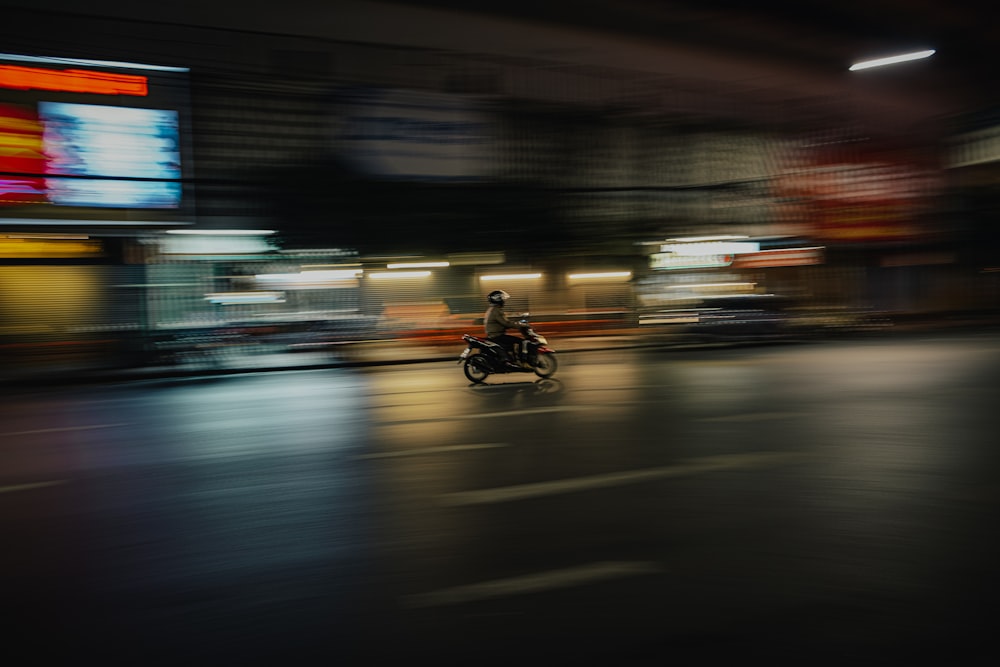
(414, 135)
(779, 257)
(72, 81)
(671, 261)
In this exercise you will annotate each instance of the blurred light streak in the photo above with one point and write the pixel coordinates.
(399, 274)
(668, 261)
(512, 276)
(60, 237)
(740, 461)
(700, 239)
(418, 265)
(30, 486)
(231, 298)
(14, 247)
(780, 257)
(892, 60)
(753, 416)
(32, 222)
(206, 246)
(476, 258)
(443, 449)
(608, 274)
(64, 429)
(728, 287)
(49, 60)
(671, 317)
(223, 232)
(310, 277)
(533, 583)
(692, 249)
(72, 81)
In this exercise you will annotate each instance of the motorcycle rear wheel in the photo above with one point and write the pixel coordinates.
(546, 365)
(475, 370)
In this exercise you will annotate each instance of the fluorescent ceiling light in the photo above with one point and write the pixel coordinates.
(233, 298)
(417, 265)
(400, 274)
(710, 285)
(892, 60)
(223, 232)
(607, 274)
(308, 277)
(699, 239)
(512, 276)
(712, 248)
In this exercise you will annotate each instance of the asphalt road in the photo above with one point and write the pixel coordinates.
(821, 503)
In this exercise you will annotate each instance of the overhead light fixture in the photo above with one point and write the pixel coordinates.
(700, 239)
(606, 274)
(711, 248)
(892, 60)
(239, 298)
(223, 232)
(399, 274)
(417, 265)
(310, 277)
(512, 276)
(693, 286)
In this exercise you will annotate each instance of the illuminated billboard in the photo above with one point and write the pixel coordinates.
(22, 156)
(114, 156)
(92, 135)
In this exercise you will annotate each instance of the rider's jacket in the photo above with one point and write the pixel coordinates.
(496, 322)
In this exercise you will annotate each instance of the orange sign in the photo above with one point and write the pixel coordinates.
(72, 81)
(779, 257)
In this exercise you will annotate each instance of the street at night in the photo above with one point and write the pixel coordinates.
(822, 502)
(725, 276)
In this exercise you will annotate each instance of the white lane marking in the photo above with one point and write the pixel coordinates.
(694, 466)
(28, 487)
(752, 417)
(62, 429)
(444, 449)
(532, 583)
(487, 415)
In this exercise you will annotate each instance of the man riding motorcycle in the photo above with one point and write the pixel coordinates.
(497, 323)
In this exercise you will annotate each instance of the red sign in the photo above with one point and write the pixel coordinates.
(859, 193)
(21, 156)
(72, 81)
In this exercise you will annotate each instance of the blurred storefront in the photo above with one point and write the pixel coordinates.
(399, 196)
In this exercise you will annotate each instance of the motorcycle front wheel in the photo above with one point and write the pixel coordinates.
(546, 365)
(475, 369)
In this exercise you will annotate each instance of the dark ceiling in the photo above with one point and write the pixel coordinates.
(821, 32)
(796, 54)
(820, 36)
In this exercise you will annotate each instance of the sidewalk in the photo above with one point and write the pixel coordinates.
(230, 361)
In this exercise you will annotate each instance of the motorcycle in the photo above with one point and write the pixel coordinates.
(483, 357)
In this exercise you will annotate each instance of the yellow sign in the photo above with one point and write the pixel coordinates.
(31, 248)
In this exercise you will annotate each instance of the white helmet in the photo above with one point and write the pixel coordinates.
(498, 297)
